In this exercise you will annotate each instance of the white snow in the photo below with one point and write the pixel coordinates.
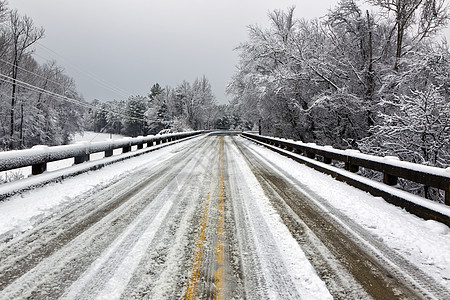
(264, 222)
(122, 275)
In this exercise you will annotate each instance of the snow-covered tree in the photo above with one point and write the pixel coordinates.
(33, 108)
(158, 114)
(22, 35)
(414, 121)
(297, 75)
(198, 103)
(412, 21)
(134, 123)
(321, 81)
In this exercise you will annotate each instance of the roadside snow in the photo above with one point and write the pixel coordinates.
(90, 136)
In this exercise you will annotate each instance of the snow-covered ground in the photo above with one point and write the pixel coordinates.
(267, 246)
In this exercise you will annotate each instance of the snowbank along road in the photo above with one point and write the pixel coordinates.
(218, 217)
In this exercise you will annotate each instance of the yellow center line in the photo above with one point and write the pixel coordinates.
(220, 246)
(193, 282)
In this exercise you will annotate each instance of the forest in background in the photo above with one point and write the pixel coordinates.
(188, 106)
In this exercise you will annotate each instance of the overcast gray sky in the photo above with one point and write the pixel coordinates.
(131, 44)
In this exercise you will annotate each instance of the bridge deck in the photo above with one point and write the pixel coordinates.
(220, 217)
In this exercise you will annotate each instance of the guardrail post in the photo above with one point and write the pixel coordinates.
(351, 168)
(109, 153)
(140, 146)
(348, 165)
(81, 159)
(311, 155)
(327, 160)
(387, 178)
(390, 179)
(38, 168)
(126, 149)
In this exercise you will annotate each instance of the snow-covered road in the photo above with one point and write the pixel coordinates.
(215, 217)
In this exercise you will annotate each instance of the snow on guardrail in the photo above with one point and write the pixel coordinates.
(39, 156)
(392, 168)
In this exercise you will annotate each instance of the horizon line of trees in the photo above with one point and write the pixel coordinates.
(188, 106)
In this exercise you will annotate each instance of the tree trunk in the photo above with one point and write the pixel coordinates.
(13, 104)
(22, 144)
(398, 54)
(370, 72)
(13, 94)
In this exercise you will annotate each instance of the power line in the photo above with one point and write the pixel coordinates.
(8, 79)
(33, 73)
(99, 81)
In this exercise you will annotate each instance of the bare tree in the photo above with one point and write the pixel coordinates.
(3, 35)
(427, 16)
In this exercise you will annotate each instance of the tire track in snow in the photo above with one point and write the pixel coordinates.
(163, 272)
(108, 276)
(366, 258)
(274, 266)
(208, 274)
(25, 252)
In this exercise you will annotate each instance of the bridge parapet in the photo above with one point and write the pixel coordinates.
(392, 168)
(38, 156)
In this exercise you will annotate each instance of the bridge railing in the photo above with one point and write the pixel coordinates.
(38, 156)
(391, 167)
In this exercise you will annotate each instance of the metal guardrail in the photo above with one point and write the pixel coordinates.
(391, 168)
(38, 156)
